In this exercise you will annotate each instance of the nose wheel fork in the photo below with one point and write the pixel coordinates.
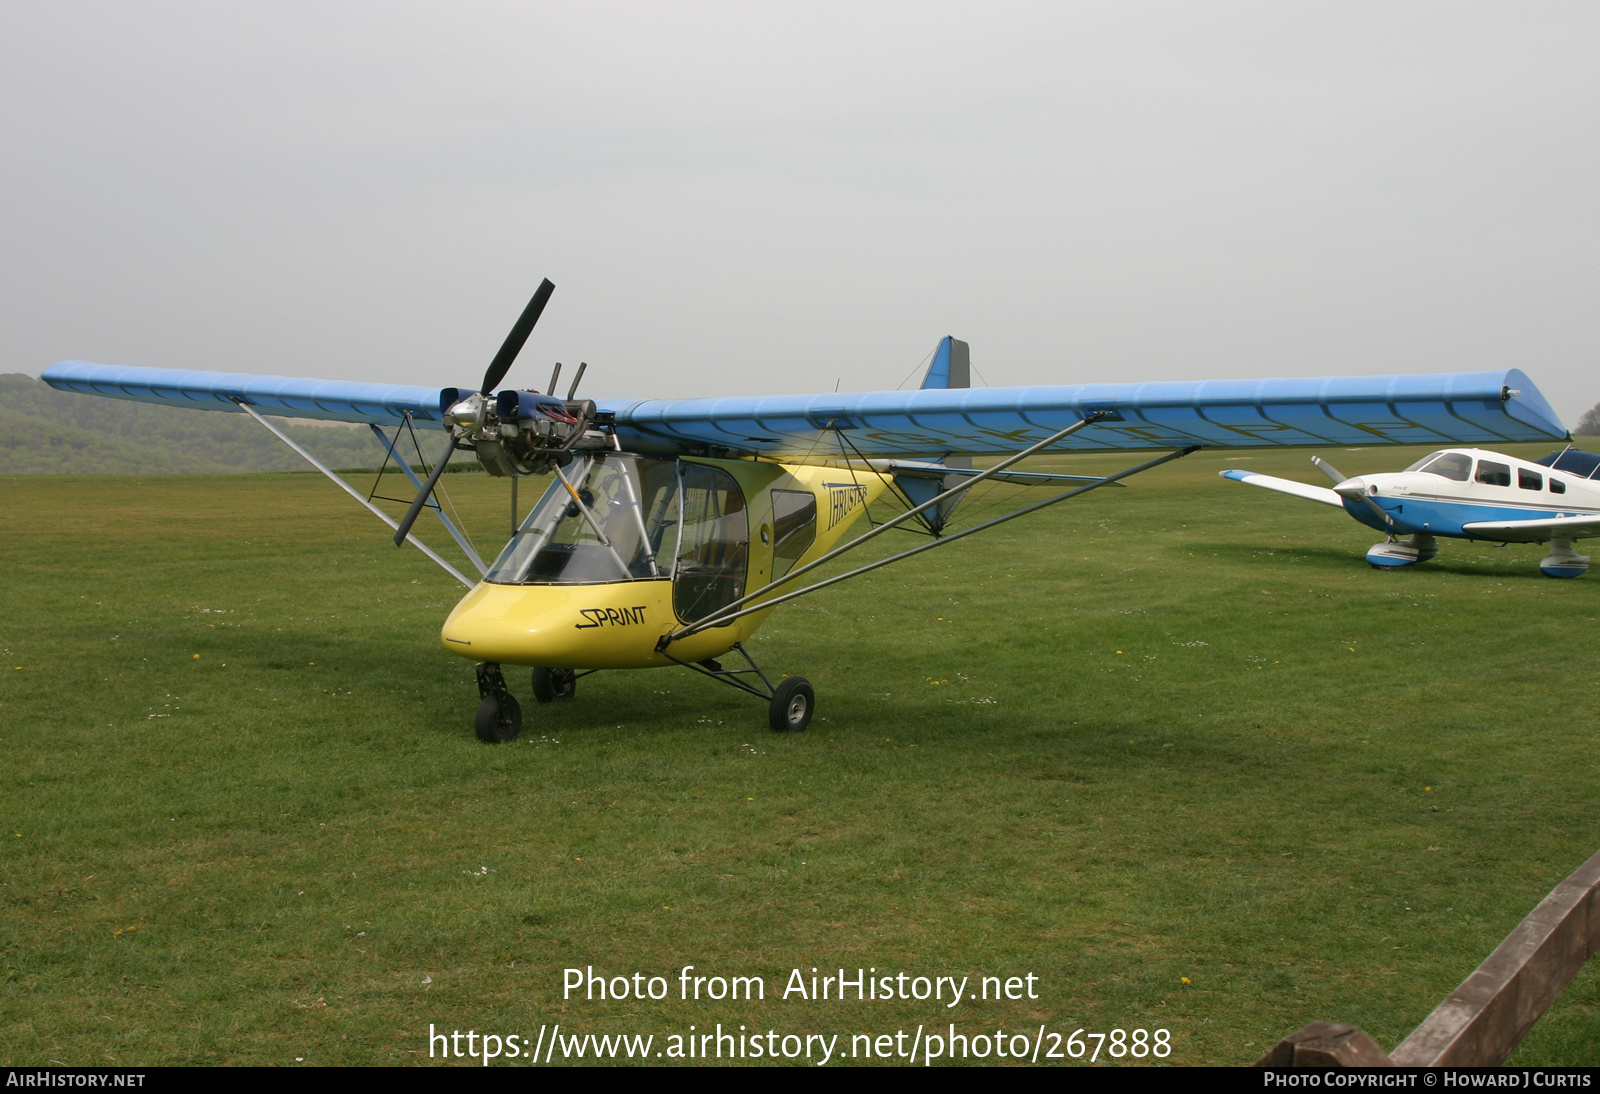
(499, 715)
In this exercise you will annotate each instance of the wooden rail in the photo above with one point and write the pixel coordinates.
(1482, 1021)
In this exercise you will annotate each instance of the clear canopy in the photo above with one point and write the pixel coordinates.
(601, 520)
(612, 517)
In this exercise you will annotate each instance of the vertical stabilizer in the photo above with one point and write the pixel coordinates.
(951, 366)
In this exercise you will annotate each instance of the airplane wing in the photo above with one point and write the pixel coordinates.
(1286, 486)
(285, 396)
(1490, 408)
(1536, 531)
(1494, 407)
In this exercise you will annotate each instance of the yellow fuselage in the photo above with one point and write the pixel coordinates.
(618, 624)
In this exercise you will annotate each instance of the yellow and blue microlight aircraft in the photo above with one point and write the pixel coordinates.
(673, 527)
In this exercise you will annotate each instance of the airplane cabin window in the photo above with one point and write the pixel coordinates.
(1529, 480)
(1557, 486)
(1494, 474)
(794, 520)
(1451, 465)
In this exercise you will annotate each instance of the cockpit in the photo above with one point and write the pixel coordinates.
(1463, 467)
(612, 517)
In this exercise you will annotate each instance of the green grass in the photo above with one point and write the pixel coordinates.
(1174, 731)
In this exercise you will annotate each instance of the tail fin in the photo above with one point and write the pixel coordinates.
(951, 366)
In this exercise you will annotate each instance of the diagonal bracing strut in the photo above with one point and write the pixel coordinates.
(894, 522)
(353, 492)
(728, 615)
(438, 509)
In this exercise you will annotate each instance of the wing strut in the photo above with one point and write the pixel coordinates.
(725, 616)
(893, 522)
(353, 492)
(449, 525)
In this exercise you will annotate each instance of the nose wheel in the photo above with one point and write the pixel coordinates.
(554, 685)
(499, 715)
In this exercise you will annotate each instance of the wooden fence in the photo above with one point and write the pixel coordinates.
(1483, 1020)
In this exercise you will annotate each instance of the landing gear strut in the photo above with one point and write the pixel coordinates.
(499, 716)
(789, 705)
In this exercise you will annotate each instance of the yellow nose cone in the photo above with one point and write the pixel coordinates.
(614, 626)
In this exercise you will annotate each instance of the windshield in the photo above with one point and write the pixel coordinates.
(603, 519)
(1450, 465)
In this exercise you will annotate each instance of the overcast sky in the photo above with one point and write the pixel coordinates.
(768, 197)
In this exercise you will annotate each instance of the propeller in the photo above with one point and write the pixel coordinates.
(1357, 491)
(491, 379)
(1329, 470)
(1353, 493)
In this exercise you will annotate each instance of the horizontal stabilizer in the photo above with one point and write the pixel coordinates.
(1286, 486)
(1537, 530)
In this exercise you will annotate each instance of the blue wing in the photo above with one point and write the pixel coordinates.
(287, 396)
(1493, 407)
(1489, 408)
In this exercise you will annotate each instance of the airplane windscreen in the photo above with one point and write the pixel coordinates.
(1451, 465)
(605, 522)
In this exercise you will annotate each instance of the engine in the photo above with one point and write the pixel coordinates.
(524, 432)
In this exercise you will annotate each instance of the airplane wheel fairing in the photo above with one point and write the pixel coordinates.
(1563, 561)
(792, 705)
(499, 719)
(554, 685)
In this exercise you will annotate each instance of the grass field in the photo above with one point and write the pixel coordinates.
(1175, 750)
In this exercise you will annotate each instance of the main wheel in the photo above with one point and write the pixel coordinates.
(554, 685)
(792, 705)
(498, 719)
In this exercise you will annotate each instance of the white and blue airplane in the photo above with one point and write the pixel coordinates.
(1465, 493)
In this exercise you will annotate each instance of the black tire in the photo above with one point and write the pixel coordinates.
(498, 720)
(554, 685)
(792, 705)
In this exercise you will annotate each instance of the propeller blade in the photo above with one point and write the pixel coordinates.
(1329, 470)
(573, 390)
(518, 337)
(425, 493)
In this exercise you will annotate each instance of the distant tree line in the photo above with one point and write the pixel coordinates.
(1589, 424)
